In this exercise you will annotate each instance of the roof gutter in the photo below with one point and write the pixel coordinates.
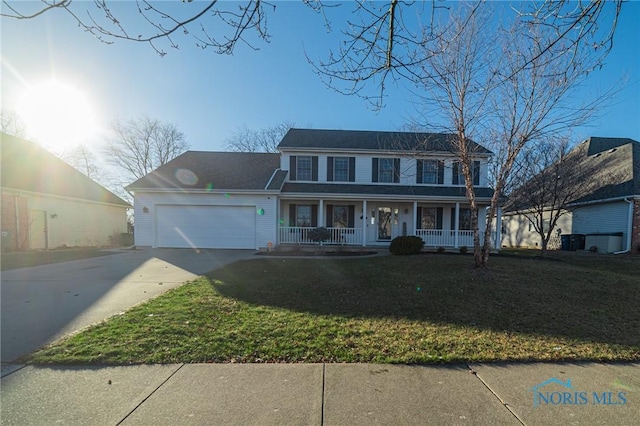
(605, 200)
(629, 226)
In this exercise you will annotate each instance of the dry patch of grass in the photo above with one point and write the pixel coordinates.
(419, 309)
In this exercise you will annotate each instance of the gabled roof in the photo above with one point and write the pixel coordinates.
(316, 139)
(215, 171)
(606, 168)
(29, 167)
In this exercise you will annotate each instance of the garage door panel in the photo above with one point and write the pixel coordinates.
(206, 226)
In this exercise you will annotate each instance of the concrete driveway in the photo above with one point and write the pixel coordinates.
(44, 303)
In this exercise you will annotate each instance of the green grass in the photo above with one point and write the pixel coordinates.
(418, 309)
(24, 259)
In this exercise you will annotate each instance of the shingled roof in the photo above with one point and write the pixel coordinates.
(206, 170)
(29, 167)
(613, 168)
(607, 168)
(317, 139)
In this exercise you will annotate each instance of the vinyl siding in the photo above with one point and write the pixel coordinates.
(363, 164)
(602, 218)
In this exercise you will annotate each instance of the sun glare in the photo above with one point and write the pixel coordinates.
(57, 114)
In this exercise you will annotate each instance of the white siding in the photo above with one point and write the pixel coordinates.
(363, 169)
(364, 164)
(602, 218)
(518, 232)
(407, 171)
(145, 222)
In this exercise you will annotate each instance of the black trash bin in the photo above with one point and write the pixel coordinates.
(565, 241)
(576, 242)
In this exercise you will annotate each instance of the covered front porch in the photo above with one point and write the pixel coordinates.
(377, 222)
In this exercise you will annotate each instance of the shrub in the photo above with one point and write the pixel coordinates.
(593, 249)
(463, 249)
(406, 245)
(319, 235)
(440, 250)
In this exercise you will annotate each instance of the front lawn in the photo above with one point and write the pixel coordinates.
(418, 309)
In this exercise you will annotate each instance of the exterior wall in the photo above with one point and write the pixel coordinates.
(145, 212)
(517, 231)
(68, 222)
(602, 218)
(364, 163)
(74, 223)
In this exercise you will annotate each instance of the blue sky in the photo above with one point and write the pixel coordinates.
(208, 96)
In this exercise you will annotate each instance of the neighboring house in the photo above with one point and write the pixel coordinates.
(366, 187)
(607, 209)
(47, 204)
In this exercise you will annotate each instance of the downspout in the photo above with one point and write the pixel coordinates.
(629, 227)
(17, 220)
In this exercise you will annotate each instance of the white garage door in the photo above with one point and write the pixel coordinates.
(206, 227)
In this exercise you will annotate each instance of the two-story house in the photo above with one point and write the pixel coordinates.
(366, 187)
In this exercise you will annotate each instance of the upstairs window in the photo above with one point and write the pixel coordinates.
(430, 171)
(303, 167)
(386, 170)
(458, 176)
(341, 169)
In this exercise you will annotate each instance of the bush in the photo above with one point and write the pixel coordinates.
(440, 250)
(406, 245)
(319, 235)
(463, 249)
(593, 249)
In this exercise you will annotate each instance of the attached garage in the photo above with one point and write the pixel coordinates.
(209, 200)
(180, 226)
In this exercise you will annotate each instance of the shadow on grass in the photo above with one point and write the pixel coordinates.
(533, 296)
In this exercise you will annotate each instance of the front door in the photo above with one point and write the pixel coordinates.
(385, 222)
(38, 229)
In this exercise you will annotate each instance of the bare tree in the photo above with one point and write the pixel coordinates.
(141, 145)
(547, 179)
(506, 94)
(212, 24)
(383, 42)
(84, 160)
(12, 123)
(262, 140)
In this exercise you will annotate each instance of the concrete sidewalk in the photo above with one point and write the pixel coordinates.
(323, 394)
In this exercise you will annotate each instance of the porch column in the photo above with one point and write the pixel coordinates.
(456, 224)
(321, 213)
(415, 217)
(498, 228)
(364, 223)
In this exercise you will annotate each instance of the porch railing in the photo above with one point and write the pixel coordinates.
(353, 236)
(339, 236)
(447, 238)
